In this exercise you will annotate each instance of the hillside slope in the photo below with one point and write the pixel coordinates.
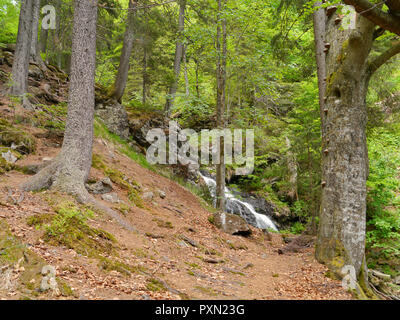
(174, 253)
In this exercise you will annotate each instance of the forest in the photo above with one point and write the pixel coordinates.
(112, 110)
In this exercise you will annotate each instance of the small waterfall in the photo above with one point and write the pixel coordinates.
(244, 209)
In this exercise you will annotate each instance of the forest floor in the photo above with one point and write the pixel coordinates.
(175, 252)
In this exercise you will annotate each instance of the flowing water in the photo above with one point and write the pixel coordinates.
(244, 209)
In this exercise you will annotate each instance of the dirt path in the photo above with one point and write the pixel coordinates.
(214, 266)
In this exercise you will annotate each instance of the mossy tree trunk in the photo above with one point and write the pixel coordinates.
(70, 169)
(342, 226)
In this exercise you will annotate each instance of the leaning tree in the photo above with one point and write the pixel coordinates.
(346, 65)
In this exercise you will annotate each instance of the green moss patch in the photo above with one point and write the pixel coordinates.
(120, 179)
(10, 135)
(69, 228)
(15, 255)
(155, 285)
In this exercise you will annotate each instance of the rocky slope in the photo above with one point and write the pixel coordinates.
(171, 250)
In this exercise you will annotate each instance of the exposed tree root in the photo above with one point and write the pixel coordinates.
(48, 178)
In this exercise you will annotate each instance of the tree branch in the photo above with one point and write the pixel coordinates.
(372, 12)
(384, 57)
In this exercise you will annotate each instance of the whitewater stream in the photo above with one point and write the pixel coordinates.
(244, 209)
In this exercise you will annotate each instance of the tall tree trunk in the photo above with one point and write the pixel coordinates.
(35, 53)
(187, 87)
(44, 34)
(319, 18)
(197, 78)
(178, 58)
(341, 234)
(292, 168)
(221, 81)
(57, 37)
(70, 169)
(20, 68)
(319, 40)
(129, 37)
(144, 75)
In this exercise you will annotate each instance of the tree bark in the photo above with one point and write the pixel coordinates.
(35, 53)
(187, 87)
(70, 169)
(221, 84)
(123, 69)
(341, 234)
(319, 40)
(144, 75)
(57, 37)
(387, 20)
(20, 68)
(292, 168)
(44, 34)
(178, 58)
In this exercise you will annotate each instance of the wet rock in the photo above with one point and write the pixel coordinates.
(231, 223)
(110, 197)
(101, 187)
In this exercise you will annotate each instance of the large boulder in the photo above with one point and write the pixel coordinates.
(231, 223)
(114, 117)
(140, 126)
(101, 187)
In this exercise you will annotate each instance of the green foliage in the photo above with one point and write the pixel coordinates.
(9, 15)
(383, 214)
(155, 285)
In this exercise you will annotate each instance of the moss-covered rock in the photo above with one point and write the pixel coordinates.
(22, 141)
(15, 256)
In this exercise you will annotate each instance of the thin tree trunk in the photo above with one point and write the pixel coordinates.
(292, 167)
(178, 59)
(342, 226)
(20, 68)
(44, 33)
(187, 87)
(123, 69)
(57, 37)
(35, 53)
(144, 75)
(70, 169)
(221, 81)
(197, 78)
